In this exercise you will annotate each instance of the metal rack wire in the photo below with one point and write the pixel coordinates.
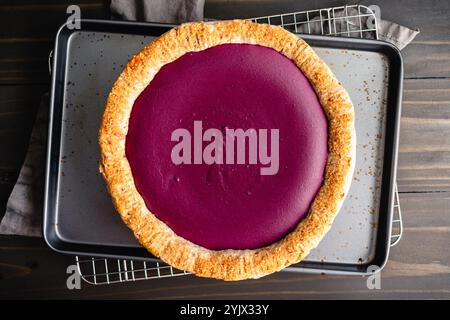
(351, 21)
(397, 222)
(108, 271)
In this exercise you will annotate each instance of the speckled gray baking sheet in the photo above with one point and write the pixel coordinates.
(84, 212)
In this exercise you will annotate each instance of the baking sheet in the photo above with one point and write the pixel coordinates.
(81, 218)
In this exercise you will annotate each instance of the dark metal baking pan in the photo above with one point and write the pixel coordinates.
(78, 214)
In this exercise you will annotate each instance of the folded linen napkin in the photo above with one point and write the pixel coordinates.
(24, 207)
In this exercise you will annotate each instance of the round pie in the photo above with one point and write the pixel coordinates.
(228, 148)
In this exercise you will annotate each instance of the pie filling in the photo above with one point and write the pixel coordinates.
(229, 205)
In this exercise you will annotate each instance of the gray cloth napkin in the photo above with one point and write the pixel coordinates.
(24, 207)
(166, 11)
(398, 35)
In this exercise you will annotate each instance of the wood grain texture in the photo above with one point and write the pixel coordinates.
(419, 266)
(429, 54)
(424, 152)
(431, 17)
(24, 74)
(231, 9)
(26, 47)
(18, 106)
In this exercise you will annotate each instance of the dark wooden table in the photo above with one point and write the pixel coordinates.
(419, 267)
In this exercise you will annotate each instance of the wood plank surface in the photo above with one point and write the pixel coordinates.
(419, 266)
(424, 152)
(27, 45)
(429, 55)
(431, 17)
(232, 9)
(26, 40)
(18, 106)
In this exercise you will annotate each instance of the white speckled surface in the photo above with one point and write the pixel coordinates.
(364, 75)
(94, 62)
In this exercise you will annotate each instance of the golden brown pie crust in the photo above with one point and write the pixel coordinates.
(155, 235)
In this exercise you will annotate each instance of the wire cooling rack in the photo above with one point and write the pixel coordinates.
(107, 271)
(350, 21)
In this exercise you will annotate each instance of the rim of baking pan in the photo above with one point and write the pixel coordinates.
(394, 96)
